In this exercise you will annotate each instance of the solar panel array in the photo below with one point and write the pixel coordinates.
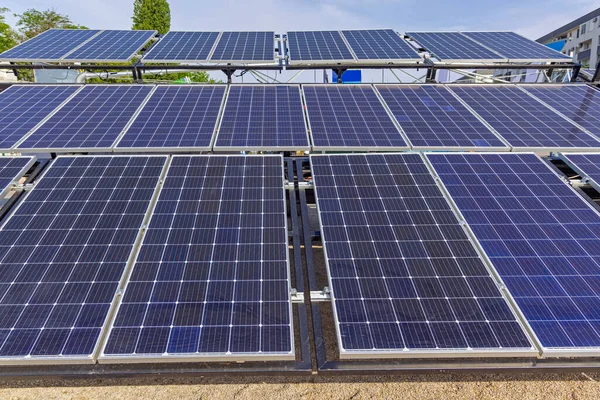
(431, 117)
(524, 122)
(378, 44)
(317, 46)
(263, 117)
(541, 236)
(111, 46)
(22, 107)
(63, 252)
(586, 165)
(176, 117)
(404, 275)
(245, 46)
(349, 117)
(181, 46)
(50, 45)
(212, 277)
(11, 169)
(452, 46)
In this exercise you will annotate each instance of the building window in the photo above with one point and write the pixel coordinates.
(583, 29)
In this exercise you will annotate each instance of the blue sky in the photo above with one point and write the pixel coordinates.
(531, 18)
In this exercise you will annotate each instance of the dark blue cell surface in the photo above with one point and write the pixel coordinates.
(349, 117)
(11, 169)
(245, 46)
(111, 45)
(404, 274)
(266, 117)
(22, 107)
(211, 278)
(178, 116)
(516, 47)
(183, 46)
(453, 46)
(50, 45)
(317, 46)
(379, 44)
(64, 251)
(541, 236)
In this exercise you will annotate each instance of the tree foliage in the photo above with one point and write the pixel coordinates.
(33, 22)
(8, 37)
(151, 15)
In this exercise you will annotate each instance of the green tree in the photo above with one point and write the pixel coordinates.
(8, 37)
(151, 15)
(33, 22)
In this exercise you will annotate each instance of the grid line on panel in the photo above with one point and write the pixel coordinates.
(64, 251)
(514, 46)
(317, 46)
(112, 45)
(521, 120)
(211, 278)
(448, 46)
(541, 236)
(403, 273)
(245, 46)
(52, 44)
(379, 44)
(181, 45)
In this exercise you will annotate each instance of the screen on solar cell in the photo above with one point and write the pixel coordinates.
(515, 47)
(542, 238)
(211, 279)
(50, 45)
(113, 45)
(452, 46)
(349, 117)
(586, 165)
(23, 107)
(176, 117)
(245, 46)
(63, 253)
(431, 117)
(93, 119)
(11, 169)
(378, 44)
(404, 276)
(263, 117)
(317, 46)
(183, 46)
(521, 120)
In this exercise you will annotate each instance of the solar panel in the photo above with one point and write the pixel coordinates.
(380, 44)
(432, 118)
(245, 47)
(176, 117)
(11, 170)
(586, 165)
(263, 118)
(579, 103)
(63, 253)
(521, 120)
(349, 118)
(405, 278)
(542, 238)
(179, 46)
(315, 46)
(114, 45)
(515, 47)
(211, 280)
(50, 45)
(454, 47)
(22, 107)
(91, 121)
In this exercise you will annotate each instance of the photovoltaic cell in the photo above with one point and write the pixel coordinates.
(586, 165)
(523, 121)
(113, 45)
(452, 46)
(379, 44)
(93, 119)
(431, 117)
(349, 117)
(245, 46)
(263, 117)
(22, 107)
(183, 46)
(212, 278)
(405, 278)
(50, 45)
(317, 46)
(176, 117)
(516, 47)
(63, 253)
(542, 238)
(11, 169)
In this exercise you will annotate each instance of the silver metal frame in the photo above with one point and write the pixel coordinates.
(190, 61)
(32, 159)
(565, 157)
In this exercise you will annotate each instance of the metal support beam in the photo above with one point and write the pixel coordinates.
(575, 74)
(229, 72)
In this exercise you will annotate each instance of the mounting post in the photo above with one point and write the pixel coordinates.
(15, 71)
(340, 71)
(431, 72)
(229, 72)
(596, 72)
(576, 69)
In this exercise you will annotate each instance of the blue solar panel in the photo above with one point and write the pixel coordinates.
(349, 118)
(580, 103)
(452, 46)
(523, 121)
(212, 278)
(93, 119)
(63, 253)
(541, 236)
(586, 165)
(50, 45)
(11, 169)
(431, 117)
(245, 46)
(111, 46)
(317, 46)
(23, 107)
(515, 47)
(404, 275)
(380, 44)
(176, 117)
(263, 117)
(183, 46)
